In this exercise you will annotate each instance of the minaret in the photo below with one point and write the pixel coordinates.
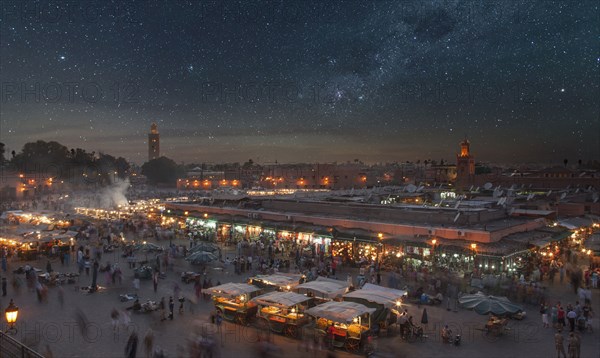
(153, 142)
(465, 165)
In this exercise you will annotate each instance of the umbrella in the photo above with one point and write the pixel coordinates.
(424, 317)
(148, 246)
(205, 246)
(201, 257)
(484, 304)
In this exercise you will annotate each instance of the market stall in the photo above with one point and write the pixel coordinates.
(233, 300)
(323, 289)
(386, 301)
(346, 324)
(282, 312)
(278, 281)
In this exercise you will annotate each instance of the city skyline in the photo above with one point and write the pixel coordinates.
(320, 82)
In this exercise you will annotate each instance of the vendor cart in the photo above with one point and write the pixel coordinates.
(386, 301)
(343, 325)
(323, 289)
(233, 301)
(282, 312)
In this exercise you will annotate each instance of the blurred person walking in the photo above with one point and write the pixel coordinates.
(559, 345)
(131, 346)
(149, 342)
(4, 283)
(171, 306)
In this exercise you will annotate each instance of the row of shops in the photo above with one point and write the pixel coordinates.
(518, 253)
(359, 247)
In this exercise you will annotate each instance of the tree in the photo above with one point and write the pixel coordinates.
(41, 156)
(2, 150)
(248, 164)
(123, 167)
(162, 171)
(566, 161)
(58, 161)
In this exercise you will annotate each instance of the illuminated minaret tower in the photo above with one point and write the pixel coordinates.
(153, 142)
(465, 165)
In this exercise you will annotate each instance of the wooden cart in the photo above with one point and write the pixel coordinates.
(343, 325)
(387, 302)
(233, 301)
(282, 312)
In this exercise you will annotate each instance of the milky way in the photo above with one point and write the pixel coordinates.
(304, 81)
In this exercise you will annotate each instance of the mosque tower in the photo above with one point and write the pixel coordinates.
(153, 142)
(465, 166)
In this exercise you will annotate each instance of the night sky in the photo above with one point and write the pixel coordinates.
(305, 81)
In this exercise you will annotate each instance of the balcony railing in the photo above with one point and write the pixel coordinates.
(11, 348)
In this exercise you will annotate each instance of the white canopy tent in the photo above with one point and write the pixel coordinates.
(280, 299)
(324, 287)
(388, 297)
(280, 279)
(341, 312)
(232, 290)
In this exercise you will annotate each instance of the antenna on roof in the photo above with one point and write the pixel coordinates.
(457, 216)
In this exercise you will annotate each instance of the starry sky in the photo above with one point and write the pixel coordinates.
(304, 81)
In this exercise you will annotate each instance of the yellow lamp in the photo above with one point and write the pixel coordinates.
(11, 312)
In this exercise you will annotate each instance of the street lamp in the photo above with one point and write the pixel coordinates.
(433, 242)
(380, 253)
(474, 248)
(11, 313)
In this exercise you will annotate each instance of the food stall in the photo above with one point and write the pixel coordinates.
(346, 324)
(323, 289)
(278, 281)
(282, 312)
(386, 301)
(233, 301)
